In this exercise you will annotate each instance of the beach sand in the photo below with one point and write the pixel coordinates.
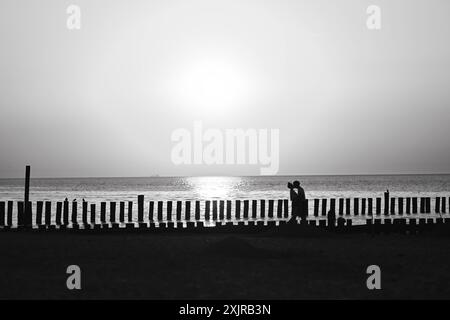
(223, 266)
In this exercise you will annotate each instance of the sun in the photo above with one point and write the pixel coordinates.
(212, 86)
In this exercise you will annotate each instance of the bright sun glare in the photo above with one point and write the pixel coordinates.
(212, 85)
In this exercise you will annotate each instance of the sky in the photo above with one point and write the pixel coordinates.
(105, 100)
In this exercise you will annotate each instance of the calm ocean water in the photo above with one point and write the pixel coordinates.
(210, 188)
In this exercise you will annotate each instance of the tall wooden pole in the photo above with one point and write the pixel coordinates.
(27, 213)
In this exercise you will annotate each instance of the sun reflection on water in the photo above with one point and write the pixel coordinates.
(214, 187)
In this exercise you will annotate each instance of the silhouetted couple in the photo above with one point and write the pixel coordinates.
(298, 199)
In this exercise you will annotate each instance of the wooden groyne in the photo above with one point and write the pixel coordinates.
(404, 212)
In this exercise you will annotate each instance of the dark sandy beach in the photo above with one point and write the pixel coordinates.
(194, 266)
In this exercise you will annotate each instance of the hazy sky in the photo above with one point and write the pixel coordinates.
(104, 100)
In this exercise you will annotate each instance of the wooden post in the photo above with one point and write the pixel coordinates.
(93, 213)
(370, 206)
(363, 206)
(187, 213)
(286, 208)
(221, 210)
(386, 203)
(169, 210)
(437, 205)
(27, 218)
(214, 210)
(102, 212)
(48, 213)
(2, 213)
(179, 208)
(207, 210)
(341, 206)
(59, 219)
(122, 211)
(197, 210)
(356, 206)
(10, 213)
(229, 209)
(324, 207)
(408, 205)
(332, 205)
(270, 213)
(74, 212)
(414, 205)
(392, 206)
(140, 205)
(280, 209)
(130, 211)
(422, 205)
(347, 206)
(84, 212)
(151, 208)
(112, 212)
(444, 210)
(400, 206)
(316, 207)
(66, 212)
(263, 208)
(160, 211)
(39, 207)
(246, 208)
(238, 210)
(20, 214)
(378, 207)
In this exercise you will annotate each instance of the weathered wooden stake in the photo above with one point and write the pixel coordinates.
(48, 213)
(356, 206)
(59, 219)
(84, 212)
(316, 207)
(238, 210)
(151, 208)
(207, 210)
(39, 209)
(414, 205)
(262, 213)
(27, 219)
(214, 210)
(122, 211)
(270, 213)
(93, 214)
(187, 214)
(324, 207)
(378, 206)
(130, 211)
(246, 208)
(74, 212)
(102, 212)
(221, 210)
(2, 213)
(279, 208)
(341, 206)
(179, 208)
(112, 212)
(140, 205)
(169, 210)
(10, 213)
